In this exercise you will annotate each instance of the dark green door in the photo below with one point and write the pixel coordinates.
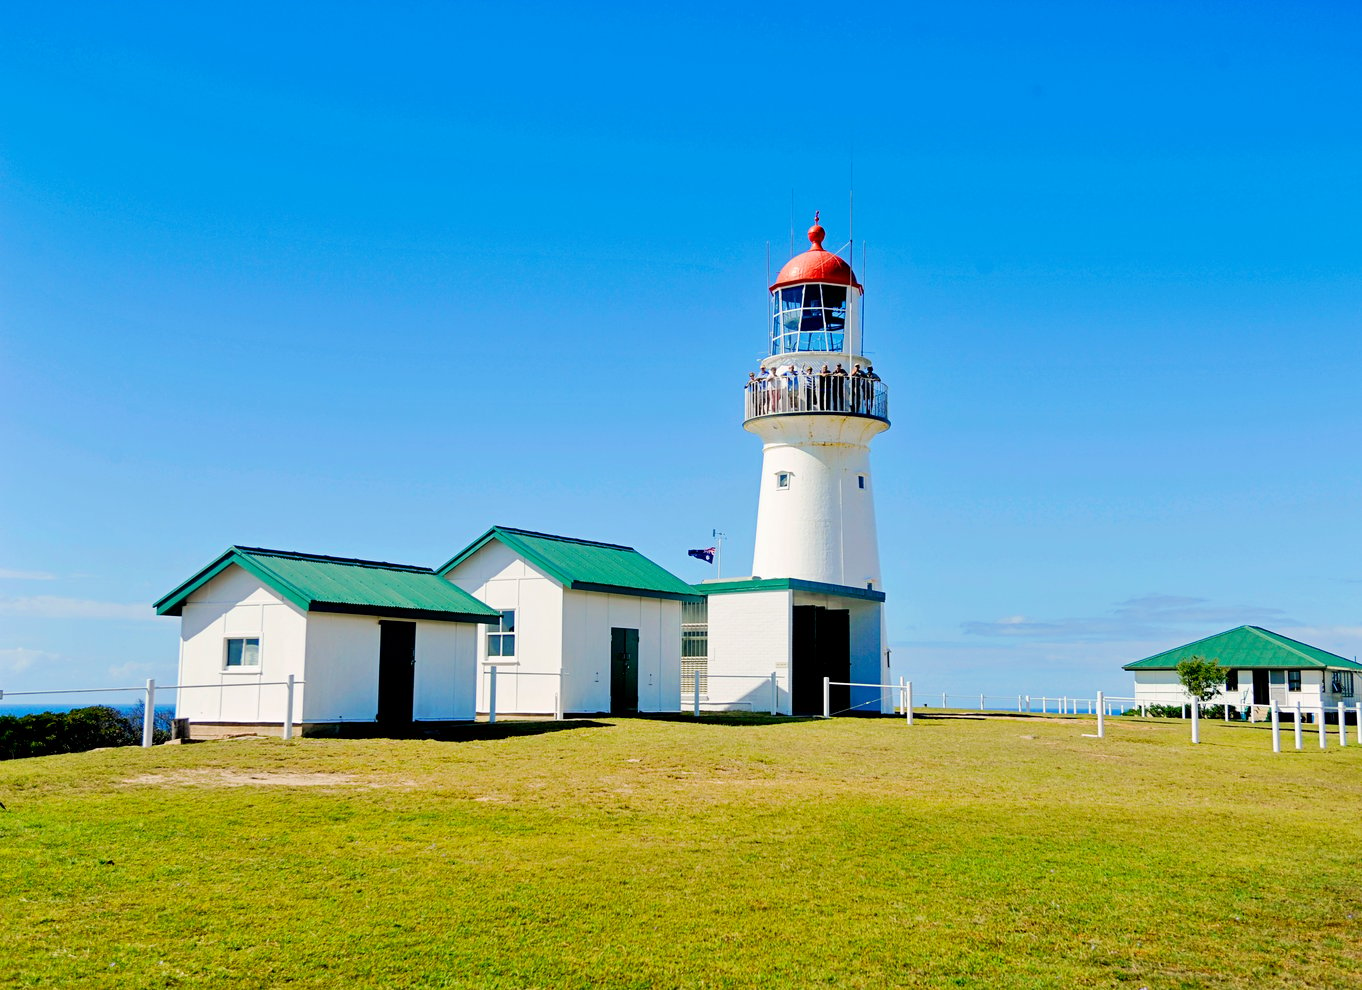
(623, 670)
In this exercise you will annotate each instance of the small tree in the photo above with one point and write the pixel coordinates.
(1201, 677)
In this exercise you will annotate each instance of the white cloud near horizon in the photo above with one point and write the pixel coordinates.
(17, 659)
(1144, 617)
(7, 574)
(56, 607)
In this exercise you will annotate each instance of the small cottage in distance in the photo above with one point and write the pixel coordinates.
(1264, 667)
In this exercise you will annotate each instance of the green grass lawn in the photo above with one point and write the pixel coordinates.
(998, 853)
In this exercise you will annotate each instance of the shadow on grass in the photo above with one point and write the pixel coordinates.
(464, 731)
(713, 718)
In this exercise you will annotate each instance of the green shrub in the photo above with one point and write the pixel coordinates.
(45, 733)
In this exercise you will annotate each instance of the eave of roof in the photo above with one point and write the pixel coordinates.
(342, 585)
(739, 585)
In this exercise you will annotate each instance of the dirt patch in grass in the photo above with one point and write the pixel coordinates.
(237, 778)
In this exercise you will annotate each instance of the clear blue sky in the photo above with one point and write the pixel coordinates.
(364, 279)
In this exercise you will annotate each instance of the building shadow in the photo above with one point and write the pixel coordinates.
(462, 731)
(750, 719)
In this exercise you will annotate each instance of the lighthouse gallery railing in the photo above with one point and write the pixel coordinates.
(848, 395)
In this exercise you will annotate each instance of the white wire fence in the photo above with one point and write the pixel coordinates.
(148, 693)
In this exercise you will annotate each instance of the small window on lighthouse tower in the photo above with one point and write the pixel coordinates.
(782, 479)
(860, 481)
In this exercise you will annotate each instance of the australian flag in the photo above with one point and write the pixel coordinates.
(706, 555)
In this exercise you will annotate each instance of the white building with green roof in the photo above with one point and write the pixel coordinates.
(370, 642)
(1264, 666)
(584, 626)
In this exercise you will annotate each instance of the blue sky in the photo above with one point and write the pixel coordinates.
(365, 279)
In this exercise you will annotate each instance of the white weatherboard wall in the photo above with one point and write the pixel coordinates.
(335, 657)
(1162, 687)
(560, 631)
(231, 605)
(750, 636)
(589, 617)
(498, 577)
(343, 666)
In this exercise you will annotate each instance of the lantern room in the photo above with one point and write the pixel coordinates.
(816, 302)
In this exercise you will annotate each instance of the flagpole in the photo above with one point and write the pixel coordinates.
(718, 553)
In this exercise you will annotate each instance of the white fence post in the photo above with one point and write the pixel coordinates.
(1196, 721)
(288, 709)
(908, 700)
(1018, 702)
(1226, 707)
(827, 697)
(1299, 727)
(981, 702)
(1101, 716)
(696, 674)
(775, 694)
(1042, 704)
(149, 715)
(943, 699)
(558, 702)
(1276, 730)
(1357, 711)
(492, 694)
(1323, 732)
(1342, 725)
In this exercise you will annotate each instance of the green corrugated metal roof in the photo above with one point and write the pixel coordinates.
(584, 565)
(1249, 647)
(340, 584)
(738, 585)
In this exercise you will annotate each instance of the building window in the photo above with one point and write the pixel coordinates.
(782, 479)
(501, 637)
(1293, 680)
(860, 481)
(694, 645)
(810, 317)
(243, 653)
(1341, 683)
(1231, 680)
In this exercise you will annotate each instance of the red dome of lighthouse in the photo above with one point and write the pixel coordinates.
(816, 264)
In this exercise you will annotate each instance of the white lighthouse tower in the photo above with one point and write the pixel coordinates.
(816, 404)
(812, 610)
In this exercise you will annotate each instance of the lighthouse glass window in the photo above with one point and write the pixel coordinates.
(809, 318)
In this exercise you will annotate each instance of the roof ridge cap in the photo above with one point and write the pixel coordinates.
(562, 539)
(328, 559)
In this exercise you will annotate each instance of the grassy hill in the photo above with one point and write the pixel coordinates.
(998, 853)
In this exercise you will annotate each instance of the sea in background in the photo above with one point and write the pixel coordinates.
(124, 709)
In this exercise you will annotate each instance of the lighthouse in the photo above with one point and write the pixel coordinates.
(816, 403)
(804, 633)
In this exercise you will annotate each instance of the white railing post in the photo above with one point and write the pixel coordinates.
(827, 697)
(492, 694)
(288, 709)
(696, 681)
(1226, 706)
(775, 694)
(1323, 731)
(1299, 727)
(149, 715)
(943, 699)
(1018, 703)
(981, 702)
(1028, 704)
(908, 700)
(558, 703)
(1357, 715)
(1101, 717)
(1196, 721)
(1043, 706)
(1276, 730)
(1342, 725)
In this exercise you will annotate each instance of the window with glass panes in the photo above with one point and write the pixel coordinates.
(243, 653)
(809, 318)
(501, 637)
